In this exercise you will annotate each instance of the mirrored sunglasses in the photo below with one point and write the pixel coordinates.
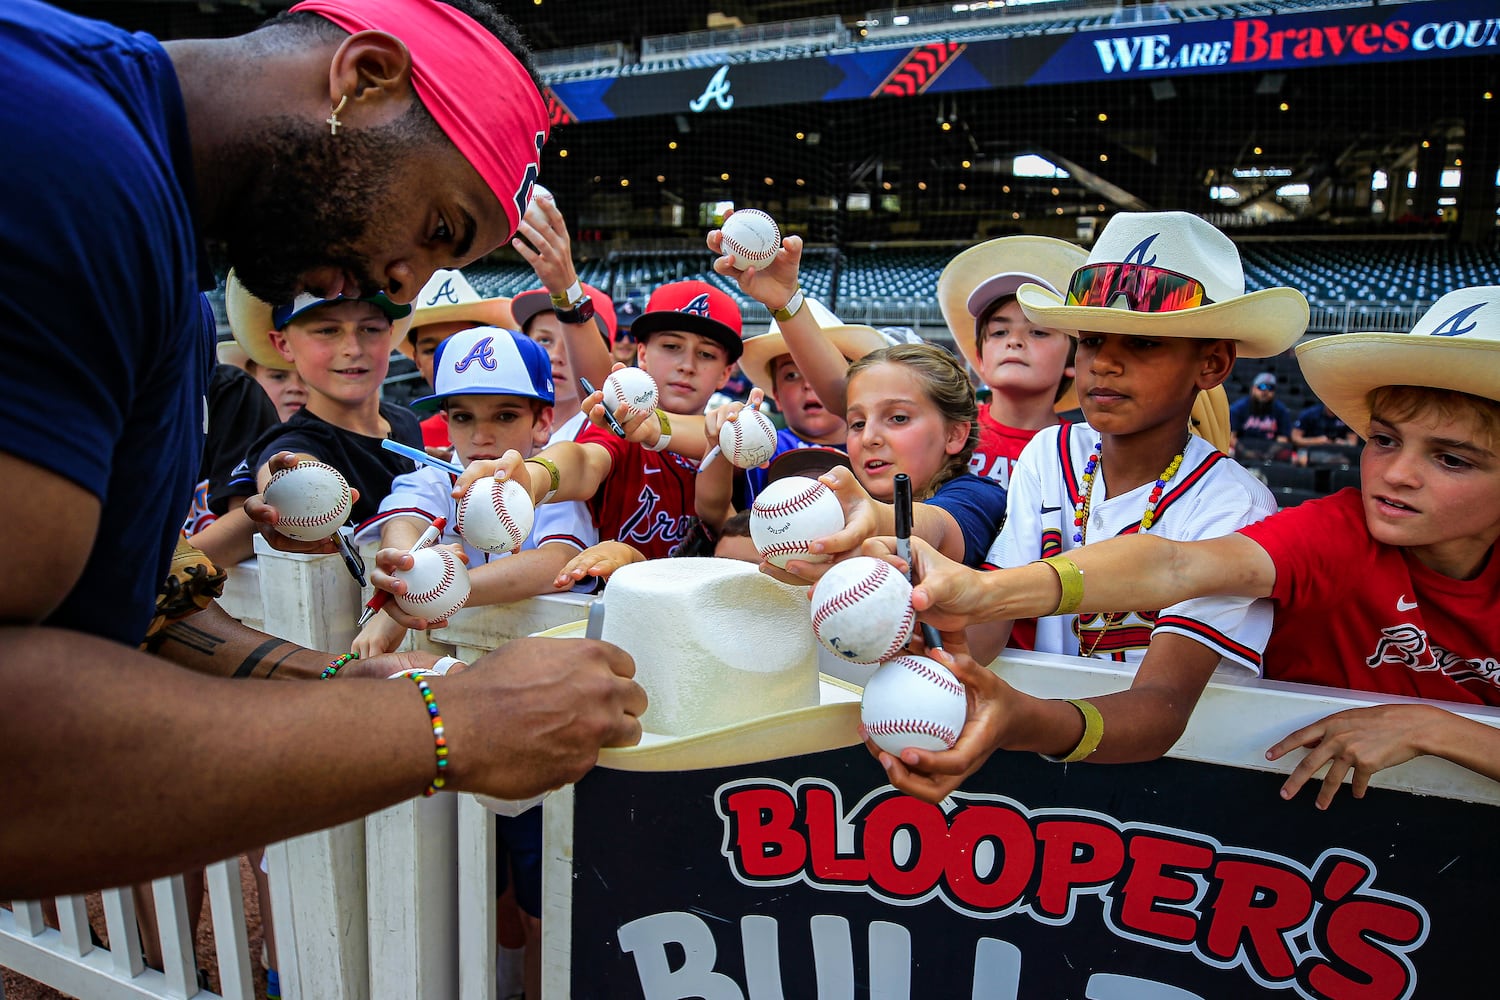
(1146, 288)
(1265, 386)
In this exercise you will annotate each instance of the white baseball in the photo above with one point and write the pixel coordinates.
(749, 440)
(436, 585)
(312, 499)
(861, 610)
(751, 238)
(495, 514)
(913, 701)
(790, 513)
(631, 388)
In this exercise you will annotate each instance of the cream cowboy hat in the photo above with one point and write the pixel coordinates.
(251, 320)
(448, 298)
(1262, 323)
(1455, 345)
(853, 341)
(993, 269)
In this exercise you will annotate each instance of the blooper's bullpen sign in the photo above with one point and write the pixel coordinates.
(1170, 880)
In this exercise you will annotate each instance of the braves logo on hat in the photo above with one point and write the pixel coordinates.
(697, 306)
(482, 352)
(523, 193)
(1453, 325)
(444, 293)
(1138, 254)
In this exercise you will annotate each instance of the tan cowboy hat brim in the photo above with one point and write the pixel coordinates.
(231, 353)
(853, 341)
(485, 312)
(1210, 417)
(250, 322)
(1262, 323)
(1342, 369)
(830, 725)
(1051, 259)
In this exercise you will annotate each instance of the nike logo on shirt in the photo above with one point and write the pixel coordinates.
(1403, 605)
(1050, 510)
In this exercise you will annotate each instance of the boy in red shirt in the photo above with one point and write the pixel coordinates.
(1390, 588)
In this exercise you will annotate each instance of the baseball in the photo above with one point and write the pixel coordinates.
(751, 238)
(631, 388)
(495, 515)
(861, 610)
(436, 585)
(790, 513)
(749, 440)
(913, 701)
(311, 499)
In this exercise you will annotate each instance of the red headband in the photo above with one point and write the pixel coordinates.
(474, 87)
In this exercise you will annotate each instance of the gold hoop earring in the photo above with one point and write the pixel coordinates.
(333, 116)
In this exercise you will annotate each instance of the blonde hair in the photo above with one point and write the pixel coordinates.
(1396, 403)
(946, 384)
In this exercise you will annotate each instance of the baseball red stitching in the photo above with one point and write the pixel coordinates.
(512, 529)
(943, 681)
(449, 575)
(322, 519)
(896, 727)
(791, 504)
(864, 588)
(782, 548)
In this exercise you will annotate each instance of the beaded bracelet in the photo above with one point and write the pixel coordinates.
(1093, 733)
(440, 744)
(1071, 579)
(333, 667)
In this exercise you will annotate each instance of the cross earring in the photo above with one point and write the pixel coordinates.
(333, 116)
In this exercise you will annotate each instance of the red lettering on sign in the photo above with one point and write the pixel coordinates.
(766, 846)
(1076, 854)
(1256, 906)
(1154, 879)
(1015, 857)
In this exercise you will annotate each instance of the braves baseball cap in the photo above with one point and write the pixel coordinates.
(626, 313)
(488, 361)
(527, 305)
(284, 314)
(692, 307)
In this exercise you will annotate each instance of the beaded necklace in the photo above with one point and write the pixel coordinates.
(1148, 516)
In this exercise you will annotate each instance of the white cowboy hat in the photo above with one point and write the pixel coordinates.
(854, 341)
(995, 268)
(1455, 345)
(447, 298)
(251, 320)
(1262, 323)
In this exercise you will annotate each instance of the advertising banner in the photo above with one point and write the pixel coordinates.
(1362, 34)
(811, 877)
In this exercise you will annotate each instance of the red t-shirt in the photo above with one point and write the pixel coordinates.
(647, 498)
(1352, 612)
(998, 448)
(435, 432)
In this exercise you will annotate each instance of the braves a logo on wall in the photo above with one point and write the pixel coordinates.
(1319, 931)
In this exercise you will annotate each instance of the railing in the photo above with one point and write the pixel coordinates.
(808, 30)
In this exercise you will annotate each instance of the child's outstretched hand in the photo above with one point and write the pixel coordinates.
(715, 419)
(933, 775)
(387, 562)
(381, 634)
(772, 286)
(598, 561)
(1358, 740)
(265, 516)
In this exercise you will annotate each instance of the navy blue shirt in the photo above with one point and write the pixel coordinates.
(978, 505)
(108, 343)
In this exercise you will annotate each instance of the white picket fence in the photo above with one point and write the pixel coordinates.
(400, 905)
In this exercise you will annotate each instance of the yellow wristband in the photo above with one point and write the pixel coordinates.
(552, 471)
(1093, 733)
(1071, 578)
(666, 433)
(789, 310)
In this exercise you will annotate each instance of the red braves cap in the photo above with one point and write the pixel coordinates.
(528, 304)
(692, 307)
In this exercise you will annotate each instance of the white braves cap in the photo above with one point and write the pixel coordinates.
(489, 361)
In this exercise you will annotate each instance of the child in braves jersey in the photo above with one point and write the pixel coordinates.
(1027, 367)
(1161, 314)
(688, 338)
(1390, 588)
(496, 388)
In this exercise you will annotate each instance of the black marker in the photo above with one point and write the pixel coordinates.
(614, 424)
(903, 547)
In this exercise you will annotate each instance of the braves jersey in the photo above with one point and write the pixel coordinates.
(1210, 496)
(427, 493)
(1352, 612)
(999, 447)
(647, 499)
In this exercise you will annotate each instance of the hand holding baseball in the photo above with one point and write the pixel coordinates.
(267, 516)
(949, 595)
(772, 285)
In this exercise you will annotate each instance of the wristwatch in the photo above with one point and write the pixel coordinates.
(581, 312)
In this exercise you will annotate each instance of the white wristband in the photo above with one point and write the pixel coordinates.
(666, 434)
(569, 298)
